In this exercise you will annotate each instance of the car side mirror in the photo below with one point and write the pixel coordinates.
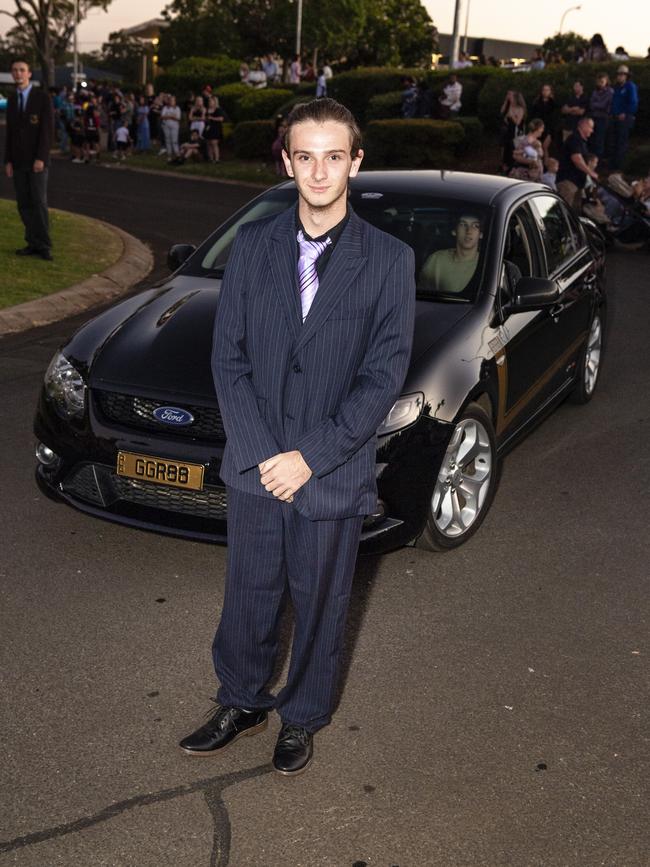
(534, 293)
(178, 254)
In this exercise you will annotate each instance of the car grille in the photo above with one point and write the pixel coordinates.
(137, 412)
(100, 486)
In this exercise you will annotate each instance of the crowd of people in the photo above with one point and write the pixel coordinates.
(418, 100)
(99, 118)
(566, 140)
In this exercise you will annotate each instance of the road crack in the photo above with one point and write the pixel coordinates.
(212, 788)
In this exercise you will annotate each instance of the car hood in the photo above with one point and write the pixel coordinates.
(163, 346)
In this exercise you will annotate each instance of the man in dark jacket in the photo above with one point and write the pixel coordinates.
(623, 109)
(30, 128)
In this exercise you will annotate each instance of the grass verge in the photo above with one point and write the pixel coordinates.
(80, 246)
(249, 171)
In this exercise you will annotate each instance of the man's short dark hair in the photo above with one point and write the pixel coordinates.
(21, 60)
(590, 157)
(320, 111)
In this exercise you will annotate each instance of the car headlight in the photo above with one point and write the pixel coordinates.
(65, 387)
(404, 412)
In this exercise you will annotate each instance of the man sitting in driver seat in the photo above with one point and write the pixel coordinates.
(449, 271)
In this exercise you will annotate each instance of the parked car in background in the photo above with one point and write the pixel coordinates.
(510, 319)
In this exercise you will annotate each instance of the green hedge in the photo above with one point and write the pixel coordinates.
(286, 107)
(261, 104)
(473, 135)
(419, 143)
(355, 89)
(385, 105)
(193, 73)
(230, 96)
(252, 139)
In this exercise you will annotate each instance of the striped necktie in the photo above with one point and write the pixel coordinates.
(307, 274)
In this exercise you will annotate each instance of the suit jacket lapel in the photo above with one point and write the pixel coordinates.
(281, 247)
(348, 257)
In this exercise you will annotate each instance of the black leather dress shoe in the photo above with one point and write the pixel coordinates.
(27, 251)
(293, 751)
(225, 725)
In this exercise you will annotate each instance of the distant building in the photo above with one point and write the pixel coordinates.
(503, 49)
(149, 34)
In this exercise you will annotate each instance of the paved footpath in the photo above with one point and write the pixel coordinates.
(495, 703)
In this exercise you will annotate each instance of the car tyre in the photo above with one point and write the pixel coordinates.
(465, 485)
(590, 362)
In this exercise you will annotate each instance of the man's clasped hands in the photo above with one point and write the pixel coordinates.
(283, 474)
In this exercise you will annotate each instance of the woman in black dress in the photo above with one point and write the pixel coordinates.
(546, 109)
(213, 132)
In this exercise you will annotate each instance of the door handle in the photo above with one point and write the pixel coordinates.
(555, 311)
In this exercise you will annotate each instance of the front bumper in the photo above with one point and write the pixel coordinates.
(84, 476)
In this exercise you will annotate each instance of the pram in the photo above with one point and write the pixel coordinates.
(625, 221)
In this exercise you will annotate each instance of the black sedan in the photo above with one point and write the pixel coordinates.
(510, 321)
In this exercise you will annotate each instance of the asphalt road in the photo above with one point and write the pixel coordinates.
(495, 702)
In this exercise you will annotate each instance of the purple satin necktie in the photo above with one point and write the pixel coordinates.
(307, 274)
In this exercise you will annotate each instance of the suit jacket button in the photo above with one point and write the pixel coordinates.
(297, 368)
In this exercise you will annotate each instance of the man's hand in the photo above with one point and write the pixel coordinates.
(283, 474)
(9, 170)
(38, 166)
(620, 116)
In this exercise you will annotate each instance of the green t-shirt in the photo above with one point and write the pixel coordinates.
(444, 272)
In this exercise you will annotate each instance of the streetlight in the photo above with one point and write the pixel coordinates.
(466, 26)
(564, 15)
(75, 55)
(299, 27)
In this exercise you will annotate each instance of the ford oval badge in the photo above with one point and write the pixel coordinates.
(173, 415)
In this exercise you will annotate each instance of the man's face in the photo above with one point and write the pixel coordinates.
(468, 233)
(320, 161)
(578, 88)
(586, 128)
(21, 73)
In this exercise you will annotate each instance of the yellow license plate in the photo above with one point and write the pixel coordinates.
(160, 471)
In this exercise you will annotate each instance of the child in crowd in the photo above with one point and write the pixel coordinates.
(122, 141)
(550, 175)
(592, 206)
(321, 85)
(278, 146)
(194, 149)
(77, 137)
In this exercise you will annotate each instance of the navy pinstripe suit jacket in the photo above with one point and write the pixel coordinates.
(322, 386)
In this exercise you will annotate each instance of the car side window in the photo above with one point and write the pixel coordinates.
(519, 254)
(561, 241)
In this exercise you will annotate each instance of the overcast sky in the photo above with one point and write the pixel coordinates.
(621, 22)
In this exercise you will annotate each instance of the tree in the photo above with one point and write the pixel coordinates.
(49, 26)
(397, 33)
(122, 54)
(251, 28)
(565, 44)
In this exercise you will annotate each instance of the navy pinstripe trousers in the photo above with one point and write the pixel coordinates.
(272, 546)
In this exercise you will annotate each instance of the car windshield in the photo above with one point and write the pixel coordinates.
(447, 236)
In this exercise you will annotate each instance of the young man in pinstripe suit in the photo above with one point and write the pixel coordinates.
(311, 346)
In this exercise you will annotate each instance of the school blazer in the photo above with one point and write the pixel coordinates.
(29, 134)
(323, 386)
